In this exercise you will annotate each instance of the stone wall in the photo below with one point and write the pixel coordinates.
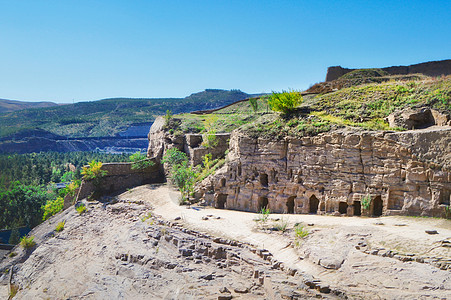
(119, 177)
(333, 173)
(432, 68)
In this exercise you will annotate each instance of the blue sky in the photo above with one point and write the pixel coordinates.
(66, 51)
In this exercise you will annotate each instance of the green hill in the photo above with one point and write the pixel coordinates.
(109, 117)
(14, 105)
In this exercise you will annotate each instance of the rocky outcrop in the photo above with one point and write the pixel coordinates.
(194, 145)
(415, 118)
(345, 172)
(432, 68)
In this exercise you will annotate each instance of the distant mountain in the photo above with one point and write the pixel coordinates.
(108, 117)
(14, 105)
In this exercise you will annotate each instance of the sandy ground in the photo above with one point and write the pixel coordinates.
(332, 242)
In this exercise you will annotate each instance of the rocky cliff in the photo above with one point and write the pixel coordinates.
(348, 171)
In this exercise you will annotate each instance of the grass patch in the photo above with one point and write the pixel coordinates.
(300, 233)
(81, 208)
(281, 225)
(27, 242)
(60, 226)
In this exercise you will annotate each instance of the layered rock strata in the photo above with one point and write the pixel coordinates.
(343, 172)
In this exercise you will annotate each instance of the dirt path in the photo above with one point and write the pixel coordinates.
(396, 257)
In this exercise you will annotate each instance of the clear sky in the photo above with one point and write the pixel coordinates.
(66, 50)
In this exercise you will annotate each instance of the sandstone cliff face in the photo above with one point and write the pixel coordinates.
(335, 172)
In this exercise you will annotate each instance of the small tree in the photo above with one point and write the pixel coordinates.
(140, 161)
(286, 101)
(181, 174)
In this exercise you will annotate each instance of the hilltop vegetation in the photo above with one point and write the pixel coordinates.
(364, 106)
(110, 116)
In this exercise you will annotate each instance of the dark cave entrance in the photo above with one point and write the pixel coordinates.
(290, 204)
(221, 201)
(262, 203)
(313, 204)
(357, 208)
(377, 206)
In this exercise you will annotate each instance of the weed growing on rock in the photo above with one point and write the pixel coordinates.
(13, 291)
(263, 215)
(366, 202)
(12, 254)
(281, 225)
(27, 242)
(81, 208)
(60, 226)
(146, 217)
(300, 232)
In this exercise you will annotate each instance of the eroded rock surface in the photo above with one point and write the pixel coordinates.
(334, 172)
(119, 250)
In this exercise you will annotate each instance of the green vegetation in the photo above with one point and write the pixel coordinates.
(140, 161)
(300, 232)
(52, 207)
(45, 167)
(366, 202)
(93, 171)
(364, 106)
(254, 104)
(80, 208)
(364, 73)
(376, 101)
(27, 242)
(60, 226)
(263, 215)
(285, 102)
(181, 173)
(21, 205)
(281, 225)
(110, 116)
(447, 212)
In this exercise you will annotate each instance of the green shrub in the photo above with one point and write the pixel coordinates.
(285, 102)
(52, 207)
(140, 161)
(81, 208)
(27, 242)
(181, 173)
(93, 171)
(167, 118)
(60, 226)
(174, 157)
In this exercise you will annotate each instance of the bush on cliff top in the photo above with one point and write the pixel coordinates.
(285, 102)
